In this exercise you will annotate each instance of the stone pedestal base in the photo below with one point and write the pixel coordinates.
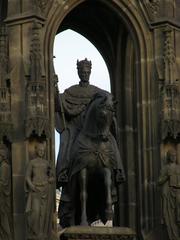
(97, 233)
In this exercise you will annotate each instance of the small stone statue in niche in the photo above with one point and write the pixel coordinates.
(170, 181)
(5, 195)
(39, 187)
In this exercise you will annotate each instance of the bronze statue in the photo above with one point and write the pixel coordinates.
(86, 116)
(5, 195)
(39, 179)
(170, 181)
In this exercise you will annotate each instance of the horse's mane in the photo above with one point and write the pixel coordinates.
(92, 126)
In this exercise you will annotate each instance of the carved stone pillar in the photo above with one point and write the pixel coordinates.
(6, 220)
(36, 92)
(29, 98)
(6, 127)
(5, 87)
(166, 29)
(169, 90)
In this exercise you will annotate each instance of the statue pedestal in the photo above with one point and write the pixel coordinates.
(97, 233)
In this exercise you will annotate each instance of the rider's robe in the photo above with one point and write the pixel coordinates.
(70, 107)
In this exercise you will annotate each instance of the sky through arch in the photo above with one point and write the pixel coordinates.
(68, 47)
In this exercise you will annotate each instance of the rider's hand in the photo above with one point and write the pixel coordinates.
(63, 177)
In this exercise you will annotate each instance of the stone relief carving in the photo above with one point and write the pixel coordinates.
(152, 8)
(169, 91)
(3, 51)
(41, 6)
(169, 181)
(170, 68)
(5, 93)
(37, 121)
(39, 181)
(5, 195)
(170, 111)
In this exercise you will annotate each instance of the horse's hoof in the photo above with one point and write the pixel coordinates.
(109, 214)
(84, 223)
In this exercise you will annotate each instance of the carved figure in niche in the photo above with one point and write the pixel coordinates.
(86, 114)
(170, 181)
(5, 195)
(39, 180)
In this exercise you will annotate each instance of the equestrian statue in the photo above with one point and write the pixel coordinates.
(89, 167)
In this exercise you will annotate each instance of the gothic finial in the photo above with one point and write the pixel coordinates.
(35, 53)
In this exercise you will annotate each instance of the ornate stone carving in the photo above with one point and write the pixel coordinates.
(5, 94)
(40, 196)
(170, 68)
(170, 111)
(3, 53)
(170, 181)
(152, 7)
(41, 5)
(169, 91)
(5, 195)
(37, 120)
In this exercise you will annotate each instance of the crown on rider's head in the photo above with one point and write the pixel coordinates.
(84, 63)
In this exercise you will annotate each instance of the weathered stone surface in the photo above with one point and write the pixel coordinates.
(97, 233)
(39, 189)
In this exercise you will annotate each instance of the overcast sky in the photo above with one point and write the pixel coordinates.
(68, 47)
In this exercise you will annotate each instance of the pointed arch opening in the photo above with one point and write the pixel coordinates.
(115, 43)
(122, 37)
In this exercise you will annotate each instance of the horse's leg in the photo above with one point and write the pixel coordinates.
(83, 196)
(108, 185)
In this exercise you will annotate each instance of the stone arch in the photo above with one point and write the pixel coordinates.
(130, 15)
(139, 207)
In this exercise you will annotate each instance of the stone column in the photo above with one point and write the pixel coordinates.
(25, 23)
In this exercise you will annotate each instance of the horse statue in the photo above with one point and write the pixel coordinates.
(95, 168)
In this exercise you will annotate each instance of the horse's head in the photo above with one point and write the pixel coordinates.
(99, 115)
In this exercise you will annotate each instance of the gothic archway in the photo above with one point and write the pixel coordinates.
(122, 41)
